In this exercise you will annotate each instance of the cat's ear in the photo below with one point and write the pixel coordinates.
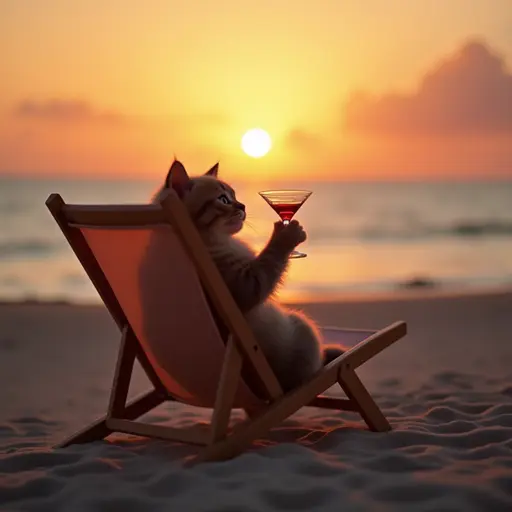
(213, 171)
(177, 178)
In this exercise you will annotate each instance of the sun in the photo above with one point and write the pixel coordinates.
(256, 142)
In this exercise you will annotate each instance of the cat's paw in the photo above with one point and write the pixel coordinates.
(288, 236)
(332, 352)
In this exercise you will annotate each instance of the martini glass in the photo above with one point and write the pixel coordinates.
(286, 203)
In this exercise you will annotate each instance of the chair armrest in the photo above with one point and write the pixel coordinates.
(374, 344)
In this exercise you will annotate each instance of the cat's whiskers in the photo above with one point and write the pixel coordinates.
(249, 224)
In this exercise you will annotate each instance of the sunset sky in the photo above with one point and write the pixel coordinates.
(347, 89)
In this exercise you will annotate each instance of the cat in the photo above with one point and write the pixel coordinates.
(290, 340)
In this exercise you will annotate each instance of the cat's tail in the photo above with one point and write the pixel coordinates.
(331, 352)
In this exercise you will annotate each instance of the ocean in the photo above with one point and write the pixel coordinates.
(362, 237)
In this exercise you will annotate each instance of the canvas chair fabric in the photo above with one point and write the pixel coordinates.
(161, 295)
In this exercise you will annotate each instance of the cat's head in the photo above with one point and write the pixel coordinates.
(211, 203)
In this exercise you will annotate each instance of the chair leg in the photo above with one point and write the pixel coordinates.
(228, 383)
(99, 430)
(245, 432)
(365, 404)
(122, 374)
(93, 432)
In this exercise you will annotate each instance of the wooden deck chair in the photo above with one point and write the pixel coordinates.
(157, 280)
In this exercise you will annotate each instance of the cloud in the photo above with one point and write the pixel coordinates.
(75, 111)
(299, 138)
(469, 92)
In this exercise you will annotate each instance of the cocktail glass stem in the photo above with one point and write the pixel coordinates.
(286, 203)
(295, 254)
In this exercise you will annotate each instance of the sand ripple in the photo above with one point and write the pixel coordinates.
(451, 449)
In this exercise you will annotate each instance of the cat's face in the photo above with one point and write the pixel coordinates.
(211, 203)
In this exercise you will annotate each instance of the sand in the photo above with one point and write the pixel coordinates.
(446, 388)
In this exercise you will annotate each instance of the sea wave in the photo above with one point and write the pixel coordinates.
(462, 229)
(502, 228)
(394, 232)
(28, 248)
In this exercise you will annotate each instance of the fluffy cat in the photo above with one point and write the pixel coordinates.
(289, 339)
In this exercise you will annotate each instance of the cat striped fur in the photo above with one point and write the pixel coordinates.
(290, 340)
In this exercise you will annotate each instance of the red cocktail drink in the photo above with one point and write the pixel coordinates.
(286, 203)
(286, 210)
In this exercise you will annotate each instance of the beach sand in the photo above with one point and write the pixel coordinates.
(446, 388)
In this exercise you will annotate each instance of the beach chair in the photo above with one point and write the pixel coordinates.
(178, 319)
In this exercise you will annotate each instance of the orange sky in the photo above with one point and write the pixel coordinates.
(347, 89)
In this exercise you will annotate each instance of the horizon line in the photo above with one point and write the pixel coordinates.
(375, 179)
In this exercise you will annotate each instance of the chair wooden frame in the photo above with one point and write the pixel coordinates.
(218, 440)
